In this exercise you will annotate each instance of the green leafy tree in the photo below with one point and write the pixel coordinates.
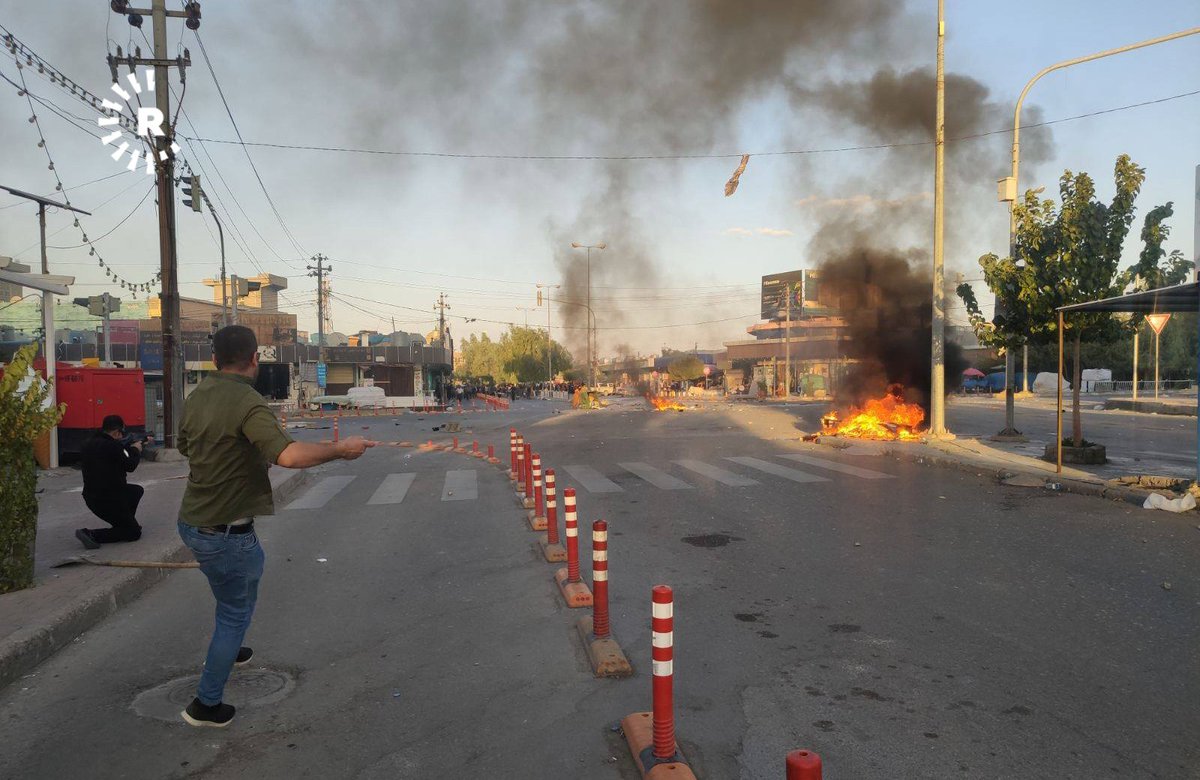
(24, 415)
(519, 356)
(1070, 253)
(685, 368)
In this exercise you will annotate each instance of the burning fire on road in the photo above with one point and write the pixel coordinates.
(888, 418)
(665, 404)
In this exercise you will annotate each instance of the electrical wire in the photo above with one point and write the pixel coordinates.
(221, 92)
(692, 156)
(109, 233)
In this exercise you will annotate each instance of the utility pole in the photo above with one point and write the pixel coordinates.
(549, 340)
(441, 306)
(937, 383)
(164, 166)
(319, 270)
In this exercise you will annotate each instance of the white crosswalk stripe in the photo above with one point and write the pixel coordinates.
(833, 465)
(320, 493)
(656, 477)
(777, 470)
(717, 473)
(393, 489)
(593, 480)
(460, 485)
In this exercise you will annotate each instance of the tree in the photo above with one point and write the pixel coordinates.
(685, 368)
(1071, 254)
(519, 355)
(24, 415)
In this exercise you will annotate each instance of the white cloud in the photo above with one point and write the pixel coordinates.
(775, 232)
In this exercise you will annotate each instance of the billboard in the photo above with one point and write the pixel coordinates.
(773, 290)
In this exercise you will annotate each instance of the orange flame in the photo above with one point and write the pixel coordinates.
(665, 404)
(888, 418)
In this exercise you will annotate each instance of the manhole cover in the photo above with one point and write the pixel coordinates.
(246, 689)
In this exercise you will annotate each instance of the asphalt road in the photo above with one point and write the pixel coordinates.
(901, 620)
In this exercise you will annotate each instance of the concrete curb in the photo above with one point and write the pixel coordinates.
(23, 651)
(977, 466)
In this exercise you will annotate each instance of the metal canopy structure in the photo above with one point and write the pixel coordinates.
(1165, 300)
(1179, 298)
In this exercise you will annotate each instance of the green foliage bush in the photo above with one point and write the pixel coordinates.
(23, 417)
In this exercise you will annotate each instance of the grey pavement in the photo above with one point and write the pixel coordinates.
(903, 621)
(65, 602)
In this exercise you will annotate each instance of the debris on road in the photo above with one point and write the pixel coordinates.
(1185, 503)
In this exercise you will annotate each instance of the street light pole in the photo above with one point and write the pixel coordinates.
(591, 330)
(1008, 187)
(549, 340)
(937, 383)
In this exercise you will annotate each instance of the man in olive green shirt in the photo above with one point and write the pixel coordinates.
(230, 438)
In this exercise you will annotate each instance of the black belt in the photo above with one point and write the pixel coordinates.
(244, 528)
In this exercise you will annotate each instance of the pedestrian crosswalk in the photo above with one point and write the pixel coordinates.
(621, 477)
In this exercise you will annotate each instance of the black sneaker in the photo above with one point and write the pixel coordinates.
(243, 657)
(89, 541)
(200, 714)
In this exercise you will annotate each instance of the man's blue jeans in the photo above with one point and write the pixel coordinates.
(233, 564)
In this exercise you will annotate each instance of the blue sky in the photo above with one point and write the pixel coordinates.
(415, 76)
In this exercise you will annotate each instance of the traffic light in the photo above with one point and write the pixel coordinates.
(99, 305)
(192, 9)
(191, 188)
(539, 297)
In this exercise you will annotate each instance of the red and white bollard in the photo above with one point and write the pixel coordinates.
(552, 549)
(575, 591)
(662, 633)
(537, 515)
(651, 735)
(600, 628)
(803, 765)
(335, 430)
(528, 492)
(475, 453)
(491, 456)
(520, 465)
(455, 447)
(606, 656)
(512, 453)
(283, 418)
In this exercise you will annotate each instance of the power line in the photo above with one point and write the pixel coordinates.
(693, 156)
(221, 92)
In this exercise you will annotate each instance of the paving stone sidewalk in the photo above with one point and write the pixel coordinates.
(65, 602)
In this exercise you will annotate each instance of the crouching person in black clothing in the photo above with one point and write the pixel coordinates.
(107, 458)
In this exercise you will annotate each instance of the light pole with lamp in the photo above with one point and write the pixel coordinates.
(591, 331)
(1008, 186)
(549, 340)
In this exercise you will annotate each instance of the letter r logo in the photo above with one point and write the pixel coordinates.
(149, 122)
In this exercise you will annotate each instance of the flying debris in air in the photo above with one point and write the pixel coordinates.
(732, 185)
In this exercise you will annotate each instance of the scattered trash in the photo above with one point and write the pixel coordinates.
(1166, 586)
(395, 694)
(322, 560)
(1054, 486)
(858, 544)
(1158, 501)
(1023, 480)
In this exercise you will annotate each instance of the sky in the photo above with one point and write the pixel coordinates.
(684, 86)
